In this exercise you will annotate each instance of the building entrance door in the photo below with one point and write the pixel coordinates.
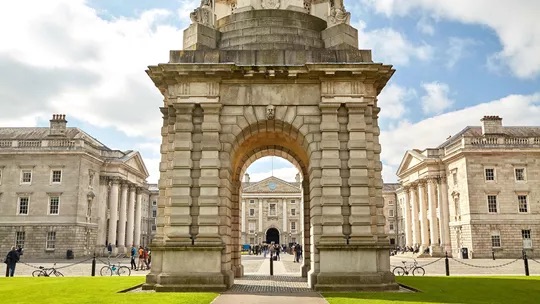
(272, 235)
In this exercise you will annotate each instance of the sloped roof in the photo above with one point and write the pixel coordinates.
(476, 131)
(390, 187)
(40, 133)
(263, 186)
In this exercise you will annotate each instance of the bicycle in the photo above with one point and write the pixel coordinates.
(109, 270)
(46, 272)
(405, 270)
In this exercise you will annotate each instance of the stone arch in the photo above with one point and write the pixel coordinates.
(263, 138)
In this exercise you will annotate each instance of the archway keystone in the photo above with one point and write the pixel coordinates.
(253, 83)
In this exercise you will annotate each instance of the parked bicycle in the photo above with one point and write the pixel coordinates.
(47, 272)
(405, 270)
(110, 269)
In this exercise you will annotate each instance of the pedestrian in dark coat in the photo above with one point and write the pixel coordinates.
(11, 260)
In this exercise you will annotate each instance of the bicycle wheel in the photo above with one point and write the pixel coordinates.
(105, 271)
(38, 273)
(124, 271)
(399, 271)
(58, 273)
(418, 271)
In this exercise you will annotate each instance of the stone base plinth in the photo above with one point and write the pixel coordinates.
(353, 268)
(187, 268)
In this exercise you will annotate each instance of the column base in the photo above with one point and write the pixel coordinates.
(177, 268)
(436, 251)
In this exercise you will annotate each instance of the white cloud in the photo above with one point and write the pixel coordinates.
(436, 99)
(392, 101)
(425, 26)
(391, 46)
(516, 110)
(457, 50)
(515, 23)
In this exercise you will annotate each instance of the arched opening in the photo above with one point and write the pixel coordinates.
(272, 236)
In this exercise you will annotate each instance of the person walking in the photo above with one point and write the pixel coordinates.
(141, 263)
(109, 249)
(11, 260)
(133, 256)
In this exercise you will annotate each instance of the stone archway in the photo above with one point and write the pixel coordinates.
(272, 236)
(228, 101)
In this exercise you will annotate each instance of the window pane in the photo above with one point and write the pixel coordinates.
(495, 241)
(492, 203)
(51, 239)
(56, 176)
(54, 203)
(520, 174)
(522, 199)
(19, 238)
(23, 205)
(490, 174)
(26, 176)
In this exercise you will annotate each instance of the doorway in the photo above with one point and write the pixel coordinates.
(272, 235)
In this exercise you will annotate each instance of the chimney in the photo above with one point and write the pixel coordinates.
(492, 125)
(246, 178)
(58, 125)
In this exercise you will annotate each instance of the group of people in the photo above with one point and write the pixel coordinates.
(275, 249)
(413, 249)
(144, 256)
(11, 260)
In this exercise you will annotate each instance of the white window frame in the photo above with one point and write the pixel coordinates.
(154, 203)
(19, 205)
(526, 203)
(50, 241)
(390, 212)
(293, 201)
(391, 226)
(486, 175)
(49, 209)
(293, 211)
(494, 236)
(23, 171)
(252, 201)
(251, 212)
(496, 203)
(19, 241)
(154, 213)
(270, 209)
(52, 176)
(251, 226)
(524, 174)
(526, 238)
(293, 223)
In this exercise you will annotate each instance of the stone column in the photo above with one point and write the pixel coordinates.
(422, 205)
(138, 217)
(285, 222)
(331, 199)
(113, 211)
(103, 202)
(261, 218)
(414, 217)
(407, 217)
(130, 217)
(243, 215)
(435, 249)
(122, 218)
(445, 216)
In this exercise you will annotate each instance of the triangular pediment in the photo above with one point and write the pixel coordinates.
(411, 159)
(134, 160)
(271, 185)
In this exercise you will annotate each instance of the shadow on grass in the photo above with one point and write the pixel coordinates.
(452, 290)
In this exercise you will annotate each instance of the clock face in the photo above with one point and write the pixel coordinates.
(272, 186)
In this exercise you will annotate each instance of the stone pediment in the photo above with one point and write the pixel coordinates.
(410, 160)
(135, 161)
(272, 185)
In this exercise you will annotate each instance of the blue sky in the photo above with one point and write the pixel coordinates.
(455, 62)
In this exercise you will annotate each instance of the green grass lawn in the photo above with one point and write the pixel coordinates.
(22, 290)
(508, 290)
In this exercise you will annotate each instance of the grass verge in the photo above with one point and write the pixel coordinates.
(23, 290)
(474, 290)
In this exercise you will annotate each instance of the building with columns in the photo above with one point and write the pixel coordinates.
(61, 189)
(476, 194)
(272, 211)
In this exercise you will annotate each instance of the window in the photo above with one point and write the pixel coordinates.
(252, 240)
(293, 226)
(520, 174)
(252, 201)
(251, 227)
(391, 226)
(293, 201)
(492, 203)
(391, 213)
(54, 205)
(527, 241)
(495, 240)
(272, 210)
(153, 227)
(293, 211)
(51, 240)
(91, 180)
(490, 174)
(454, 177)
(390, 202)
(522, 200)
(56, 176)
(26, 176)
(23, 205)
(251, 212)
(392, 241)
(154, 203)
(293, 240)
(154, 213)
(19, 238)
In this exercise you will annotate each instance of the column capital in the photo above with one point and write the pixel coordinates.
(183, 108)
(211, 108)
(356, 108)
(329, 108)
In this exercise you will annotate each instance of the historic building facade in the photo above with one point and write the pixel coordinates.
(272, 211)
(476, 194)
(394, 219)
(61, 189)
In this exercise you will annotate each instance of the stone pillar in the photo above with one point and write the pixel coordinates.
(103, 202)
(285, 222)
(261, 218)
(122, 218)
(130, 217)
(414, 217)
(445, 216)
(113, 211)
(435, 248)
(407, 217)
(422, 205)
(243, 216)
(138, 218)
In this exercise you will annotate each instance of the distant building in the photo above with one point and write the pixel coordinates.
(62, 190)
(476, 194)
(394, 219)
(150, 217)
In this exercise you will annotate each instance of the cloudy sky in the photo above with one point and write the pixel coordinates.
(456, 61)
